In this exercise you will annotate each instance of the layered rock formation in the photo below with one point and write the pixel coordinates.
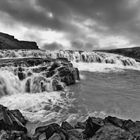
(52, 77)
(9, 42)
(42, 74)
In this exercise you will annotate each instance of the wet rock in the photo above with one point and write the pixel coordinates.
(76, 74)
(49, 73)
(49, 130)
(110, 132)
(40, 69)
(42, 136)
(56, 136)
(13, 135)
(128, 125)
(66, 75)
(54, 66)
(17, 135)
(21, 74)
(80, 125)
(9, 121)
(75, 135)
(132, 127)
(91, 128)
(18, 115)
(99, 121)
(114, 120)
(57, 85)
(66, 126)
(3, 135)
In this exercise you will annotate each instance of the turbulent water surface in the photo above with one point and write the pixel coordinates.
(109, 85)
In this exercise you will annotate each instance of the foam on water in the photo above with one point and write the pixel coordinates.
(100, 67)
(99, 61)
(57, 106)
(38, 107)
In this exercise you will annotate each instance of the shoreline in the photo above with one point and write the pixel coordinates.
(15, 126)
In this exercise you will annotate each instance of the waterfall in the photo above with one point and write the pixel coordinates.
(96, 57)
(9, 83)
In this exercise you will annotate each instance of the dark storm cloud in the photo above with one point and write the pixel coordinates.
(112, 17)
(25, 11)
(80, 45)
(53, 46)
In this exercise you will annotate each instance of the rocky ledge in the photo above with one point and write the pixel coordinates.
(43, 74)
(9, 42)
(13, 127)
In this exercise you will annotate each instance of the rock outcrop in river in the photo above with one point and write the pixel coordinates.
(41, 74)
(13, 127)
(9, 42)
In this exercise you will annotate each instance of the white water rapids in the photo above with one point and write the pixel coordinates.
(58, 106)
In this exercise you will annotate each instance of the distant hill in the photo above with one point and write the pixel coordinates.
(9, 42)
(129, 52)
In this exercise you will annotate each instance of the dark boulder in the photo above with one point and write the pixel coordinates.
(128, 125)
(54, 66)
(10, 121)
(114, 120)
(110, 132)
(66, 75)
(132, 127)
(75, 134)
(18, 115)
(66, 126)
(49, 130)
(91, 128)
(21, 74)
(13, 135)
(57, 85)
(76, 74)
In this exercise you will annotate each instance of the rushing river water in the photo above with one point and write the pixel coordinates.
(109, 85)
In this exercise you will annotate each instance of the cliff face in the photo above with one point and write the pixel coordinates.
(9, 42)
(129, 52)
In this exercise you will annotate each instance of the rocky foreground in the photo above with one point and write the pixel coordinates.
(13, 127)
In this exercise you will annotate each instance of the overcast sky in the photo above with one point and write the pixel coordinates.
(73, 24)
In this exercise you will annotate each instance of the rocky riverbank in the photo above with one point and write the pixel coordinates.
(13, 127)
